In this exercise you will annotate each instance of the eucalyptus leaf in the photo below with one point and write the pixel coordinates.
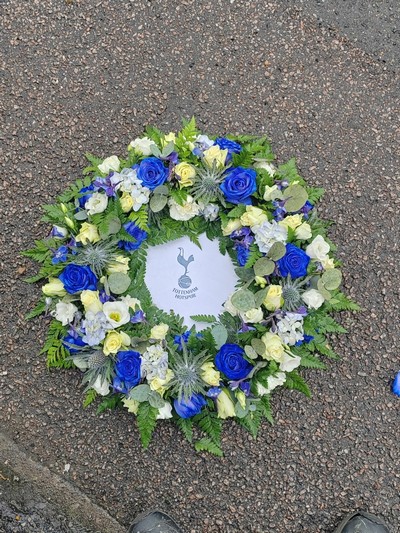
(140, 393)
(323, 290)
(168, 149)
(161, 189)
(260, 296)
(332, 279)
(264, 267)
(118, 282)
(155, 400)
(296, 196)
(243, 300)
(244, 274)
(258, 346)
(155, 150)
(114, 224)
(220, 335)
(250, 352)
(81, 215)
(277, 251)
(239, 411)
(158, 202)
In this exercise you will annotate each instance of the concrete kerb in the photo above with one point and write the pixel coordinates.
(68, 499)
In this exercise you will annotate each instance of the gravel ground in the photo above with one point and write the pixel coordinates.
(87, 76)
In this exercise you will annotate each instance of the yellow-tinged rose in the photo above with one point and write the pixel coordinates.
(126, 201)
(120, 264)
(292, 221)
(114, 341)
(159, 332)
(88, 233)
(210, 375)
(214, 153)
(186, 173)
(260, 281)
(160, 385)
(225, 405)
(91, 301)
(131, 405)
(303, 232)
(54, 287)
(232, 225)
(253, 216)
(273, 300)
(328, 263)
(274, 349)
(241, 398)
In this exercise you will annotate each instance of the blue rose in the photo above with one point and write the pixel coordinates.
(127, 369)
(152, 172)
(73, 344)
(190, 407)
(77, 278)
(231, 362)
(396, 385)
(83, 199)
(294, 262)
(227, 144)
(239, 185)
(138, 234)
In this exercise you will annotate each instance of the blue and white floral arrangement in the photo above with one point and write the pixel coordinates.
(132, 354)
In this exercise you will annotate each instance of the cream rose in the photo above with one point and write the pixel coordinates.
(126, 202)
(142, 145)
(253, 216)
(91, 301)
(183, 212)
(110, 163)
(114, 342)
(54, 287)
(214, 153)
(120, 264)
(313, 298)
(303, 232)
(273, 300)
(252, 316)
(233, 225)
(159, 332)
(274, 349)
(292, 221)
(97, 203)
(225, 405)
(88, 233)
(210, 375)
(186, 173)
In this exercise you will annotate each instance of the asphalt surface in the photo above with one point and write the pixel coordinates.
(87, 76)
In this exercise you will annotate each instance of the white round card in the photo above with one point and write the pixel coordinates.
(189, 280)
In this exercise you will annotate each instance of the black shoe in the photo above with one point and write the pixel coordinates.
(154, 522)
(361, 522)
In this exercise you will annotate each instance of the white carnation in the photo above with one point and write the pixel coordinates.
(209, 211)
(165, 411)
(274, 381)
(110, 163)
(262, 163)
(102, 387)
(183, 212)
(65, 312)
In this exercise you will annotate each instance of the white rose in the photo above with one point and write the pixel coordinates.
(252, 316)
(142, 145)
(117, 313)
(131, 302)
(274, 381)
(313, 298)
(101, 387)
(110, 163)
(65, 312)
(97, 203)
(159, 332)
(165, 412)
(289, 363)
(265, 166)
(318, 249)
(183, 212)
(228, 306)
(328, 263)
(232, 225)
(303, 232)
(271, 193)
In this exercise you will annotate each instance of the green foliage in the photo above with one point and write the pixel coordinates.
(154, 134)
(187, 135)
(254, 255)
(237, 211)
(288, 171)
(266, 408)
(73, 191)
(210, 319)
(207, 445)
(314, 194)
(186, 426)
(252, 421)
(90, 396)
(54, 214)
(57, 354)
(210, 424)
(38, 310)
(110, 402)
(295, 382)
(340, 302)
(146, 420)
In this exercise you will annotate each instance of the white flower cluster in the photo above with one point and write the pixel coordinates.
(267, 233)
(290, 328)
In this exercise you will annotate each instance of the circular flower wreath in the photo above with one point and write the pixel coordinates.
(134, 354)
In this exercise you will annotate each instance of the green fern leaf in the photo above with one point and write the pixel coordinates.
(295, 382)
(186, 426)
(207, 445)
(89, 398)
(146, 420)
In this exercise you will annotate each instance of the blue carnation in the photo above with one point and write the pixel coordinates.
(239, 185)
(152, 172)
(190, 407)
(227, 144)
(77, 278)
(230, 360)
(127, 369)
(242, 255)
(138, 234)
(396, 385)
(294, 262)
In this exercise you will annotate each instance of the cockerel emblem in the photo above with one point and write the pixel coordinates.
(184, 281)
